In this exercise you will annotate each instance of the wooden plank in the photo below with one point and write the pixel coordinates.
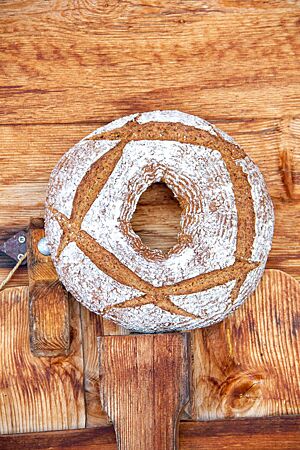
(91, 325)
(290, 156)
(136, 372)
(231, 101)
(272, 433)
(285, 250)
(249, 365)
(37, 394)
(137, 8)
(251, 73)
(112, 329)
(48, 300)
(220, 380)
(20, 278)
(94, 326)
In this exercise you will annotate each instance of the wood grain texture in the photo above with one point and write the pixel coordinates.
(249, 365)
(67, 67)
(290, 156)
(144, 384)
(49, 321)
(121, 56)
(37, 394)
(92, 327)
(272, 433)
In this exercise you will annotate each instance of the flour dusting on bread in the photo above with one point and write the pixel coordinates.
(226, 225)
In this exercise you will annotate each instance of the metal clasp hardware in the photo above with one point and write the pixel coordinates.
(16, 246)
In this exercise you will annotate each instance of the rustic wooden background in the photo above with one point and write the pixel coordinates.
(67, 67)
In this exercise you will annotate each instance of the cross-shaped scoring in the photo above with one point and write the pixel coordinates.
(98, 175)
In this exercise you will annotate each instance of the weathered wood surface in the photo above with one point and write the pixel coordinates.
(246, 366)
(225, 58)
(37, 393)
(49, 321)
(249, 365)
(144, 384)
(68, 67)
(92, 327)
(272, 433)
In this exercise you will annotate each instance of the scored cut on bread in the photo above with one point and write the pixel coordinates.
(226, 224)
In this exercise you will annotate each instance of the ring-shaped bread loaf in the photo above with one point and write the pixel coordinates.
(226, 224)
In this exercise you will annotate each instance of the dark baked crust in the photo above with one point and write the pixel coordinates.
(97, 176)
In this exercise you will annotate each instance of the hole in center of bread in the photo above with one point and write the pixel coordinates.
(156, 219)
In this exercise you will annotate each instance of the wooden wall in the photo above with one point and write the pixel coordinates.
(67, 67)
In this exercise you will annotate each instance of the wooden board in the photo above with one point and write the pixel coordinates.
(275, 433)
(67, 62)
(249, 365)
(37, 393)
(136, 372)
(47, 300)
(68, 67)
(246, 366)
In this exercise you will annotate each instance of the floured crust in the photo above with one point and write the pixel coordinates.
(226, 224)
